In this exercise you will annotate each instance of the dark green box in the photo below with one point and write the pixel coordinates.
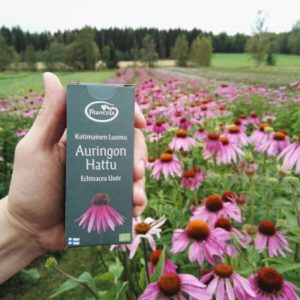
(99, 164)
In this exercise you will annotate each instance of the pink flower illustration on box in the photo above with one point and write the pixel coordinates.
(100, 216)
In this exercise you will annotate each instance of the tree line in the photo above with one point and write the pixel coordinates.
(81, 48)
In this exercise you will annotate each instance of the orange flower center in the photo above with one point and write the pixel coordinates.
(155, 255)
(196, 169)
(279, 136)
(227, 196)
(151, 159)
(213, 136)
(262, 126)
(242, 116)
(181, 133)
(213, 203)
(182, 120)
(267, 228)
(142, 228)
(224, 140)
(189, 174)
(223, 270)
(204, 107)
(234, 129)
(197, 230)
(169, 284)
(166, 157)
(253, 114)
(178, 114)
(159, 123)
(269, 280)
(223, 223)
(237, 122)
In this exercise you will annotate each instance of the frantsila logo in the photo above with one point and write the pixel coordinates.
(101, 111)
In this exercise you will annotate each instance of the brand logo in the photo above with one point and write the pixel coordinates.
(101, 111)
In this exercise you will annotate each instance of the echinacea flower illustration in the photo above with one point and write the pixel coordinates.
(175, 286)
(169, 266)
(145, 230)
(182, 141)
(291, 156)
(192, 179)
(229, 152)
(205, 242)
(268, 284)
(274, 146)
(214, 207)
(100, 216)
(224, 283)
(271, 238)
(168, 164)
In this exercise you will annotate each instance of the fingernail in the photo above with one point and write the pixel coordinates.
(141, 168)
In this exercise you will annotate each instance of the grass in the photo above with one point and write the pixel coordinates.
(231, 67)
(12, 83)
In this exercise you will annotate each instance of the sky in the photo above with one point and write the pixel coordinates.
(229, 16)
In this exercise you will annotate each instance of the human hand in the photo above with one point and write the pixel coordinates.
(35, 203)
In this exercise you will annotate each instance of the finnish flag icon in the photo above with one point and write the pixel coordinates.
(73, 241)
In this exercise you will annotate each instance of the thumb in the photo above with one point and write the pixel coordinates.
(50, 123)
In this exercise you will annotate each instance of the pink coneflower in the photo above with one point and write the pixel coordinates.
(200, 134)
(205, 112)
(160, 127)
(150, 163)
(253, 118)
(260, 135)
(237, 136)
(184, 123)
(268, 284)
(192, 179)
(274, 146)
(269, 237)
(168, 164)
(229, 196)
(229, 152)
(169, 266)
(20, 132)
(145, 230)
(291, 156)
(182, 141)
(212, 145)
(224, 283)
(175, 286)
(215, 208)
(205, 242)
(243, 240)
(100, 216)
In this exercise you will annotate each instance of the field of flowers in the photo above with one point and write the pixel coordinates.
(223, 217)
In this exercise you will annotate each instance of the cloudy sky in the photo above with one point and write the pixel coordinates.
(231, 16)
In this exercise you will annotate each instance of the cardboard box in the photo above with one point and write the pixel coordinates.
(99, 164)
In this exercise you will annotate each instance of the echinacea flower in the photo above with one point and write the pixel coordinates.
(229, 152)
(224, 283)
(191, 179)
(145, 230)
(229, 196)
(268, 284)
(260, 135)
(269, 237)
(274, 146)
(182, 141)
(253, 118)
(291, 156)
(200, 134)
(20, 132)
(214, 208)
(205, 241)
(100, 216)
(150, 163)
(169, 266)
(160, 127)
(212, 145)
(237, 136)
(168, 164)
(175, 286)
(243, 239)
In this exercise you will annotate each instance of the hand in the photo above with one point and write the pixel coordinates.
(35, 203)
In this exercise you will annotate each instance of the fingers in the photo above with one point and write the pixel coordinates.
(140, 155)
(139, 197)
(139, 119)
(49, 125)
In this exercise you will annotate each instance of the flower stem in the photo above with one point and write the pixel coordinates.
(145, 259)
(297, 247)
(78, 281)
(102, 261)
(128, 277)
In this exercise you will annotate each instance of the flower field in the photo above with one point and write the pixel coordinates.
(223, 215)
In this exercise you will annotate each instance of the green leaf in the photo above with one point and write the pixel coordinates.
(30, 276)
(116, 293)
(116, 268)
(104, 281)
(66, 286)
(288, 268)
(159, 268)
(87, 278)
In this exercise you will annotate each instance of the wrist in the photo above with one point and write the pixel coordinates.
(18, 248)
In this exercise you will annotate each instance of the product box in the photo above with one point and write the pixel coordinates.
(99, 164)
